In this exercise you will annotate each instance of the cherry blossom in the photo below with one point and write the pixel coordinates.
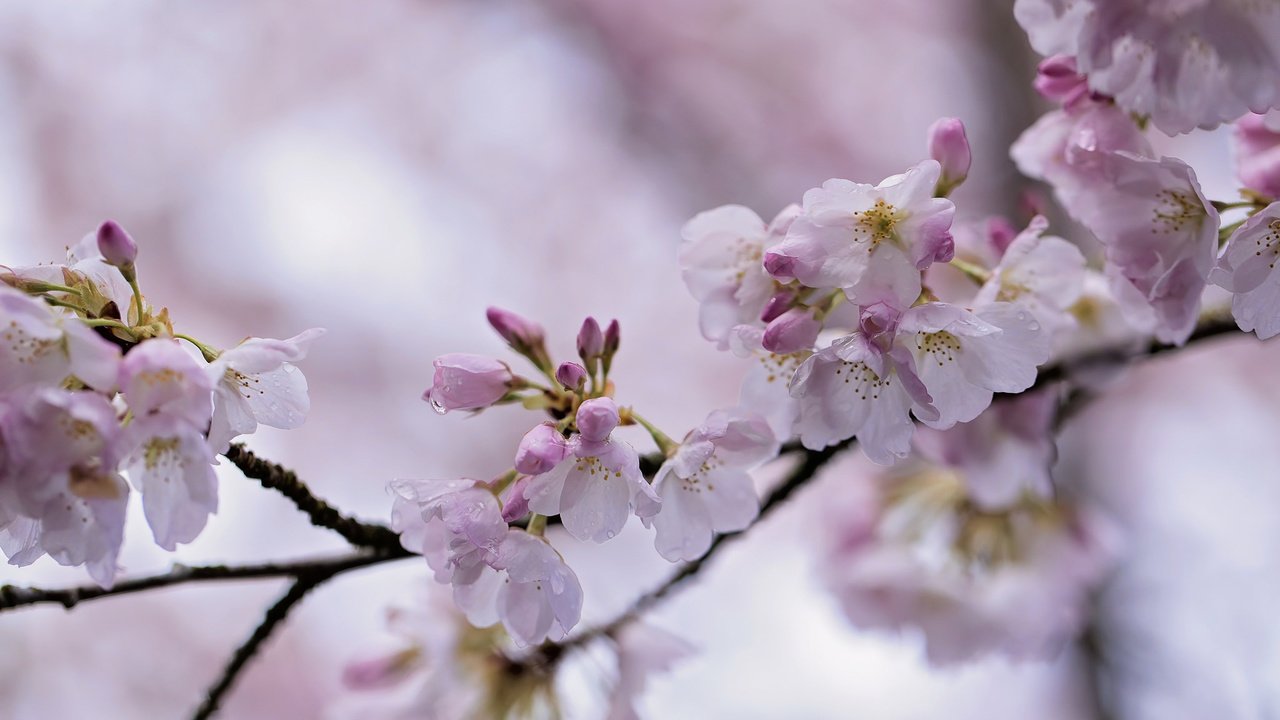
(468, 382)
(1042, 273)
(456, 525)
(40, 345)
(257, 382)
(595, 487)
(721, 263)
(1184, 63)
(706, 486)
(1257, 153)
(886, 234)
(538, 595)
(1248, 269)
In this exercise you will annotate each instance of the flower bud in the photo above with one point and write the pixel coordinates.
(1000, 234)
(778, 304)
(467, 382)
(519, 333)
(116, 246)
(782, 267)
(571, 375)
(1057, 79)
(612, 338)
(950, 147)
(541, 449)
(792, 331)
(597, 418)
(590, 341)
(517, 505)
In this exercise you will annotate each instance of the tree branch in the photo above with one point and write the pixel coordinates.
(12, 597)
(283, 480)
(275, 615)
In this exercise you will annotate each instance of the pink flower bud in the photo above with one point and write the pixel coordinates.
(517, 505)
(590, 340)
(1000, 233)
(612, 338)
(467, 382)
(1058, 80)
(571, 375)
(116, 246)
(945, 250)
(597, 418)
(520, 333)
(541, 449)
(780, 266)
(379, 672)
(792, 331)
(1257, 153)
(777, 305)
(950, 147)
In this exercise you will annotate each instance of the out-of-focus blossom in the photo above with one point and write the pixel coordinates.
(1257, 150)
(596, 486)
(706, 486)
(643, 651)
(721, 262)
(467, 382)
(257, 382)
(850, 232)
(1248, 269)
(1184, 63)
(158, 378)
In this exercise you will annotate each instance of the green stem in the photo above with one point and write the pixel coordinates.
(537, 525)
(105, 322)
(209, 353)
(39, 286)
(661, 439)
(973, 272)
(137, 297)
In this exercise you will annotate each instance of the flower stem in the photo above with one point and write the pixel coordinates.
(209, 353)
(661, 439)
(971, 271)
(537, 525)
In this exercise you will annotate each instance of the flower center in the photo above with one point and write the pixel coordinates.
(875, 224)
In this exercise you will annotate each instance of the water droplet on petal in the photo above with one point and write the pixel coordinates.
(435, 405)
(1034, 326)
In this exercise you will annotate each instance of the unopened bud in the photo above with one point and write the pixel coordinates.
(597, 418)
(541, 449)
(1057, 79)
(949, 145)
(590, 343)
(612, 338)
(467, 382)
(793, 331)
(517, 331)
(115, 245)
(571, 375)
(778, 304)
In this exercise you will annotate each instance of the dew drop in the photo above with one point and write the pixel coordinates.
(435, 405)
(1034, 326)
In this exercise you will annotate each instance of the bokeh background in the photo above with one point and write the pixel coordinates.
(387, 170)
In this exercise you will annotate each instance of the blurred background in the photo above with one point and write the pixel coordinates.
(387, 170)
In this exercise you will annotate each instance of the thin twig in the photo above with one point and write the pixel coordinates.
(283, 480)
(15, 597)
(275, 616)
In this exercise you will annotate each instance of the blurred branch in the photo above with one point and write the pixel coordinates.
(283, 480)
(275, 615)
(14, 597)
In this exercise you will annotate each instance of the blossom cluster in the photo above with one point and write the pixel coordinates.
(487, 538)
(95, 386)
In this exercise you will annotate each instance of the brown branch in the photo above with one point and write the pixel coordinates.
(283, 480)
(275, 615)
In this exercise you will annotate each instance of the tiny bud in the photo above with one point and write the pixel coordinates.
(541, 449)
(517, 505)
(946, 249)
(792, 331)
(1000, 233)
(519, 333)
(949, 145)
(612, 338)
(590, 341)
(780, 266)
(778, 304)
(571, 375)
(467, 382)
(597, 418)
(116, 246)
(1057, 79)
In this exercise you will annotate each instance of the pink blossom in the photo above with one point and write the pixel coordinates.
(522, 334)
(706, 486)
(1184, 63)
(257, 382)
(1039, 272)
(1248, 269)
(792, 331)
(1257, 153)
(159, 378)
(1161, 237)
(720, 261)
(867, 239)
(571, 375)
(40, 345)
(172, 466)
(467, 382)
(539, 597)
(455, 524)
(596, 486)
(116, 246)
(765, 389)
